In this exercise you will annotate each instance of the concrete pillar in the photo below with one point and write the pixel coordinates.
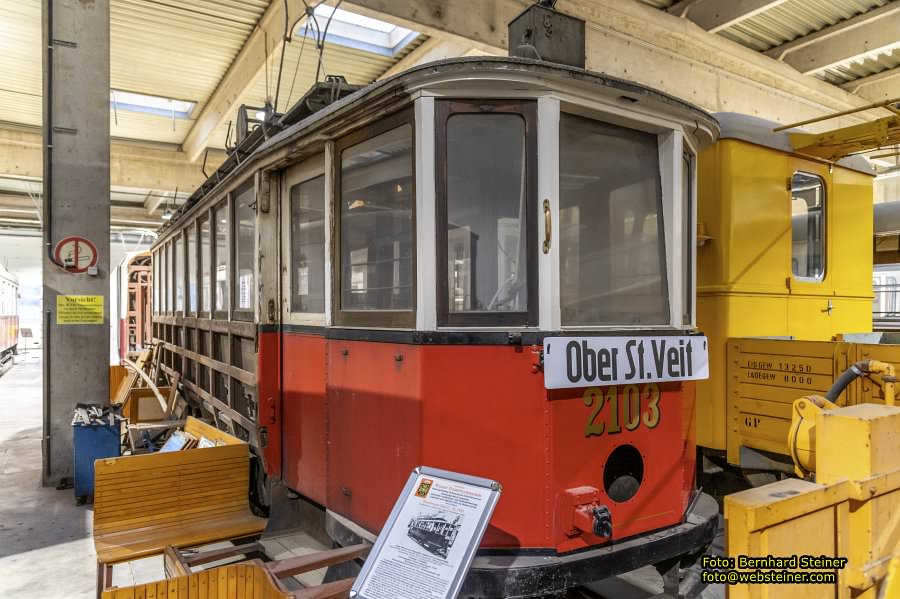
(76, 205)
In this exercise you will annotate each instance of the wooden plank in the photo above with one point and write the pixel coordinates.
(199, 428)
(149, 462)
(184, 464)
(174, 563)
(321, 559)
(178, 517)
(214, 555)
(120, 547)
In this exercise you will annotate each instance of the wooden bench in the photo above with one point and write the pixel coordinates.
(185, 498)
(245, 580)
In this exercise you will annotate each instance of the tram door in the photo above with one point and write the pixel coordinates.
(305, 280)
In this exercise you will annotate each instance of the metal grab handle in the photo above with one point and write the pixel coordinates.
(548, 226)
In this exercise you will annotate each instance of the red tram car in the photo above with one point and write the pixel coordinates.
(367, 287)
(9, 315)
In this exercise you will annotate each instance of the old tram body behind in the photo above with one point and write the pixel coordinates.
(9, 315)
(368, 289)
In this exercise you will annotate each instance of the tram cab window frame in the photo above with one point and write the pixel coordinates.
(311, 171)
(805, 178)
(471, 272)
(373, 318)
(674, 205)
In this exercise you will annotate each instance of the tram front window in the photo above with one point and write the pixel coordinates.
(376, 222)
(612, 243)
(486, 208)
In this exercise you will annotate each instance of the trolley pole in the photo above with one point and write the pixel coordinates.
(75, 220)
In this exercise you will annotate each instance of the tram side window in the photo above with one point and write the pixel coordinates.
(308, 246)
(245, 254)
(221, 247)
(178, 272)
(192, 267)
(484, 219)
(167, 276)
(807, 226)
(376, 223)
(205, 264)
(612, 242)
(155, 282)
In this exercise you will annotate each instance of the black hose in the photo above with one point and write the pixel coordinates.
(848, 376)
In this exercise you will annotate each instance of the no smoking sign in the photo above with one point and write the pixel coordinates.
(75, 254)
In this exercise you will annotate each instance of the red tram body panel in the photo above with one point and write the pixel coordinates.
(361, 415)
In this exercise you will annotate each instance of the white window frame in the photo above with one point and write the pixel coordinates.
(670, 146)
(307, 170)
(672, 143)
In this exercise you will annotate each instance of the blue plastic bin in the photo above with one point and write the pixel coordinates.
(93, 442)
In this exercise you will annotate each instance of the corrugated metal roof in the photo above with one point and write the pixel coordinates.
(857, 69)
(177, 48)
(796, 18)
(20, 47)
(170, 48)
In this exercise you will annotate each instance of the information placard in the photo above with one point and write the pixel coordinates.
(428, 542)
(599, 361)
(79, 309)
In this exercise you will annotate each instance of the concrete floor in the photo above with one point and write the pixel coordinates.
(45, 539)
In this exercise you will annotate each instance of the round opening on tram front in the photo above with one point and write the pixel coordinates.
(623, 473)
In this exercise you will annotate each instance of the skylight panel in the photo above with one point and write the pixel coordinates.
(169, 107)
(344, 16)
(359, 32)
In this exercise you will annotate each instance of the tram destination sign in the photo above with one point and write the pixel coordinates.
(597, 361)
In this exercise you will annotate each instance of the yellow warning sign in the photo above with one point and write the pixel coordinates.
(79, 309)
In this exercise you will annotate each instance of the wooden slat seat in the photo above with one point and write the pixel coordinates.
(251, 579)
(184, 498)
(246, 580)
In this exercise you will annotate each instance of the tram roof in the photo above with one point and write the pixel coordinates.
(745, 127)
(508, 75)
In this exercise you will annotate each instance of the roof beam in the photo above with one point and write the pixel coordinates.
(646, 45)
(153, 200)
(21, 208)
(715, 15)
(246, 66)
(880, 86)
(863, 34)
(131, 165)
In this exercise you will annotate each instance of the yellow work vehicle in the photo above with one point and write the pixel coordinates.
(794, 261)
(785, 254)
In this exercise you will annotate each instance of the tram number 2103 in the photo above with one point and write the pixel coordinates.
(629, 409)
